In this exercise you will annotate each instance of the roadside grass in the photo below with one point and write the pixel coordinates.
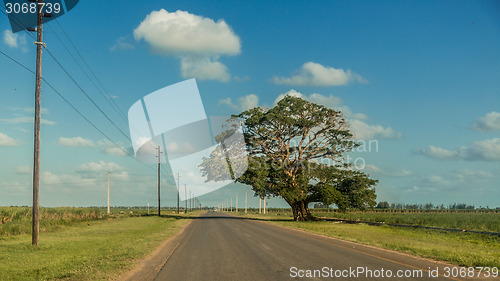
(462, 248)
(93, 250)
(486, 221)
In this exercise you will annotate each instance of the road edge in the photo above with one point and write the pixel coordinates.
(147, 268)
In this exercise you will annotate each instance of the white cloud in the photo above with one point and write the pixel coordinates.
(438, 153)
(204, 68)
(174, 147)
(99, 167)
(488, 150)
(315, 74)
(181, 33)
(23, 170)
(14, 40)
(330, 101)
(43, 110)
(111, 149)
(489, 122)
(470, 174)
(115, 151)
(49, 178)
(123, 43)
(197, 40)
(75, 142)
(7, 141)
(244, 103)
(485, 150)
(363, 131)
(370, 168)
(359, 129)
(25, 119)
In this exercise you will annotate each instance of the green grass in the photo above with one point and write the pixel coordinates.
(464, 249)
(93, 250)
(459, 220)
(17, 220)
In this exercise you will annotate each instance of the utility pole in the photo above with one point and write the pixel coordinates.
(246, 193)
(36, 154)
(108, 192)
(178, 193)
(159, 161)
(185, 197)
(236, 203)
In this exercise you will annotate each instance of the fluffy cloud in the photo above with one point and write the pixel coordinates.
(14, 40)
(244, 103)
(204, 68)
(174, 147)
(197, 40)
(123, 43)
(489, 122)
(182, 33)
(315, 74)
(438, 153)
(360, 129)
(485, 150)
(370, 168)
(363, 131)
(75, 142)
(111, 149)
(330, 101)
(25, 119)
(99, 167)
(23, 170)
(7, 141)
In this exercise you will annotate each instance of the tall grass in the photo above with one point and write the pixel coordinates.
(17, 220)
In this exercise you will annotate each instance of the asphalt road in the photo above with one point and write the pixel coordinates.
(220, 247)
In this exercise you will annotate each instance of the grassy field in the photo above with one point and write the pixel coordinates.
(96, 249)
(465, 249)
(17, 220)
(459, 220)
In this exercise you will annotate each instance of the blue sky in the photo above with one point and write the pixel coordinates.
(422, 78)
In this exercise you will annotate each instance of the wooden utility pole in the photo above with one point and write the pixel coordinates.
(108, 192)
(38, 92)
(159, 160)
(178, 193)
(246, 195)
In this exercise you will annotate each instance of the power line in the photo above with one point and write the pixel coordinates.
(82, 90)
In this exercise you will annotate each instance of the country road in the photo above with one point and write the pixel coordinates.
(220, 247)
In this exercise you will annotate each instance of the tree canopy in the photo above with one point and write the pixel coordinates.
(296, 151)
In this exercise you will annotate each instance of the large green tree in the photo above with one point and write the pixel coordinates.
(296, 151)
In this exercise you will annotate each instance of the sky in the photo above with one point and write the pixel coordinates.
(418, 82)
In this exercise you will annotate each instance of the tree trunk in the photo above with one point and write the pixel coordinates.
(301, 211)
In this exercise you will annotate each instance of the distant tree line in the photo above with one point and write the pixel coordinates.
(426, 206)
